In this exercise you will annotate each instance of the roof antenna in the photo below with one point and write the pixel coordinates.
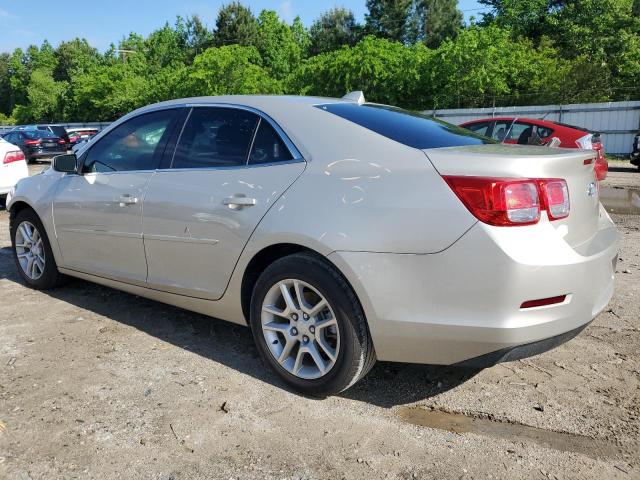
(357, 96)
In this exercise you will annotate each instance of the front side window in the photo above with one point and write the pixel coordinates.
(215, 137)
(131, 146)
(268, 147)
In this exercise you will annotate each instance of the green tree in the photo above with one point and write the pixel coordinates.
(334, 28)
(73, 57)
(483, 66)
(44, 95)
(195, 35)
(5, 84)
(278, 45)
(389, 19)
(438, 20)
(228, 70)
(235, 25)
(386, 71)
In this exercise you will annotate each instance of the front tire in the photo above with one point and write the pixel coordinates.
(32, 252)
(309, 326)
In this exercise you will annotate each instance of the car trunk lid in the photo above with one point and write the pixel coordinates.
(576, 167)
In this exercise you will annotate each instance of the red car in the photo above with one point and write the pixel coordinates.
(530, 131)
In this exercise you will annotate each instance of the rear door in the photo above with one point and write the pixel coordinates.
(229, 167)
(98, 214)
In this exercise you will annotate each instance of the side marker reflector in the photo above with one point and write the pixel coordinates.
(543, 302)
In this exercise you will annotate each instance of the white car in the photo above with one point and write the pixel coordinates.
(13, 166)
(340, 231)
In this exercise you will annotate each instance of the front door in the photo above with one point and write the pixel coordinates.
(230, 166)
(98, 213)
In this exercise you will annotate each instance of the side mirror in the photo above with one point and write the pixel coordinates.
(65, 163)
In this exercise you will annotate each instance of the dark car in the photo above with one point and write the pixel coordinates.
(37, 143)
(58, 131)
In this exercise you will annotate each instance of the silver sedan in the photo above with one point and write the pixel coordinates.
(340, 231)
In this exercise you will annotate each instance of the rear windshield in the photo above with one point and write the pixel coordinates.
(60, 131)
(409, 128)
(36, 134)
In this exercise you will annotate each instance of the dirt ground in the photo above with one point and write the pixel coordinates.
(98, 384)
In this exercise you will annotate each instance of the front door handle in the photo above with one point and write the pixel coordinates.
(236, 203)
(127, 199)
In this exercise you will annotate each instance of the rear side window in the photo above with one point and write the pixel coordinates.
(268, 147)
(215, 137)
(59, 131)
(409, 128)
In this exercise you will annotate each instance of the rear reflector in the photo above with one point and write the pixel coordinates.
(543, 301)
(14, 156)
(508, 202)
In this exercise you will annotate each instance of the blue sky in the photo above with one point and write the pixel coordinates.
(104, 21)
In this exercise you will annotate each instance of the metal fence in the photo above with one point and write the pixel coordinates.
(616, 121)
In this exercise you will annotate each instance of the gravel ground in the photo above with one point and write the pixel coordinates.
(95, 383)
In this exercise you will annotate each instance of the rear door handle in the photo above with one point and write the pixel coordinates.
(239, 202)
(127, 199)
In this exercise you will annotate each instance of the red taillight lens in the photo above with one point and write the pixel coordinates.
(509, 202)
(555, 194)
(14, 156)
(31, 142)
(601, 168)
(61, 142)
(501, 202)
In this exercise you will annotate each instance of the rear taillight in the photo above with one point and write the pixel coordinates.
(507, 202)
(61, 142)
(31, 142)
(15, 156)
(601, 167)
(555, 194)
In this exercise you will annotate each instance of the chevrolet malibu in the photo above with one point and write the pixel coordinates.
(340, 231)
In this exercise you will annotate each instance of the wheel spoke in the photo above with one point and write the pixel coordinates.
(288, 299)
(276, 327)
(297, 288)
(317, 358)
(30, 264)
(274, 311)
(40, 264)
(318, 307)
(298, 365)
(331, 353)
(23, 255)
(286, 350)
(24, 231)
(327, 322)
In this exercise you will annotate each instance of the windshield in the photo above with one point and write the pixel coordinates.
(409, 128)
(34, 134)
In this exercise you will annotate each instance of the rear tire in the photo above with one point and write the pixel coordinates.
(32, 252)
(321, 345)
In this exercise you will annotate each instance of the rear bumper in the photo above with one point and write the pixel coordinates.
(464, 302)
(46, 153)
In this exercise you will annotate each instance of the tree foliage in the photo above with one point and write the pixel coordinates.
(235, 25)
(332, 30)
(417, 54)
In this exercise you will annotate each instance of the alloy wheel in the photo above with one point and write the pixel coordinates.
(300, 329)
(30, 250)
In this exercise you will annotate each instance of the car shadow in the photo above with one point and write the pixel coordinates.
(625, 169)
(387, 385)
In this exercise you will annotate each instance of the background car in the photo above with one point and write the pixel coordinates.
(13, 167)
(36, 144)
(77, 135)
(531, 131)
